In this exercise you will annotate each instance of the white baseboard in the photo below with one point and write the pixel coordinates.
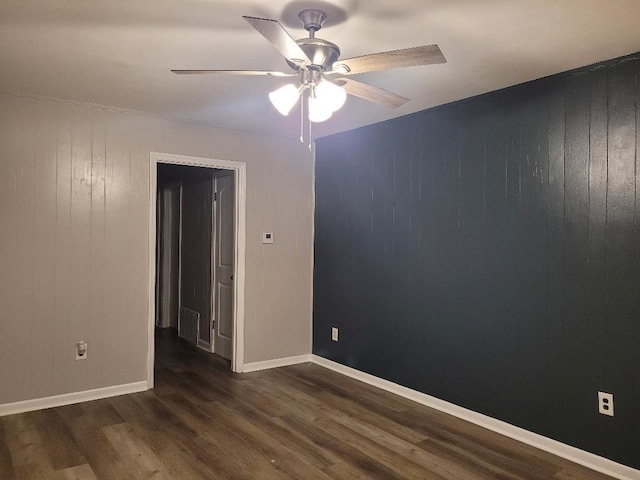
(589, 460)
(69, 398)
(278, 362)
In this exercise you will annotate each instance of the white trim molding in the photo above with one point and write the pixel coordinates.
(240, 170)
(70, 398)
(278, 362)
(587, 459)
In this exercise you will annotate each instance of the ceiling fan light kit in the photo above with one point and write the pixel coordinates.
(285, 98)
(316, 63)
(334, 95)
(324, 97)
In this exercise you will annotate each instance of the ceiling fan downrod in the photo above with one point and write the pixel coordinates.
(321, 53)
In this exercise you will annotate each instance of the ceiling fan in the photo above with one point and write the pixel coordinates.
(320, 71)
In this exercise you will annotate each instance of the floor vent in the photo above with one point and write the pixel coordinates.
(188, 324)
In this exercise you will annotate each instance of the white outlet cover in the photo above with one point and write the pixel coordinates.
(267, 237)
(334, 334)
(81, 346)
(605, 403)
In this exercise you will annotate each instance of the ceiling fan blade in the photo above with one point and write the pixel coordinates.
(371, 93)
(236, 72)
(278, 36)
(408, 57)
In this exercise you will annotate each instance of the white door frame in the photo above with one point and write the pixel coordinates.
(240, 177)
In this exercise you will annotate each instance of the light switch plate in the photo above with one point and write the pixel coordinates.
(267, 237)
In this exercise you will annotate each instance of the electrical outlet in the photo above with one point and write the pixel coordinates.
(334, 334)
(605, 403)
(81, 350)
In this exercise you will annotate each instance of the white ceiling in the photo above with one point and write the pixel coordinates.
(119, 52)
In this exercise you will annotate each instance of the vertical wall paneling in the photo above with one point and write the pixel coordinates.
(555, 258)
(18, 209)
(576, 234)
(96, 319)
(504, 270)
(138, 242)
(620, 274)
(118, 261)
(62, 337)
(596, 260)
(44, 258)
(74, 207)
(80, 245)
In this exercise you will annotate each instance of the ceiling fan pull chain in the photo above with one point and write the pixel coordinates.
(302, 118)
(310, 132)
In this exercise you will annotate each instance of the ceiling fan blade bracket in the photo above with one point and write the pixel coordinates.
(340, 68)
(299, 63)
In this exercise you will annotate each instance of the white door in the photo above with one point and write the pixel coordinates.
(223, 261)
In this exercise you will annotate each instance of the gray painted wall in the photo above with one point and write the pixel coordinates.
(74, 190)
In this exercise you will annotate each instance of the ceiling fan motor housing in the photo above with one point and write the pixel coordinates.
(321, 53)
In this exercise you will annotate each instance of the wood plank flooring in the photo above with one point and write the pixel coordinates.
(299, 422)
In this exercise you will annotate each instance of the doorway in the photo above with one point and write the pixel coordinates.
(195, 256)
(209, 311)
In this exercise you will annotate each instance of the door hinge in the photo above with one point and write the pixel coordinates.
(213, 324)
(215, 196)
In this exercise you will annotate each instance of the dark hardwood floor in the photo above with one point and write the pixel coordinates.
(299, 422)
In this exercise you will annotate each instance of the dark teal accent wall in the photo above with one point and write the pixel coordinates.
(487, 253)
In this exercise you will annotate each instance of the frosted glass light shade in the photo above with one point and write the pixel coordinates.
(319, 111)
(284, 98)
(331, 94)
